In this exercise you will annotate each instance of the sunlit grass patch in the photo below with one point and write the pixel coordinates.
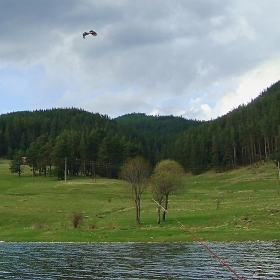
(242, 204)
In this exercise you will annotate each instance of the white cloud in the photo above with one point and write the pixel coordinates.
(206, 109)
(251, 85)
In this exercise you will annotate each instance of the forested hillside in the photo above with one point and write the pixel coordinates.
(46, 137)
(155, 133)
(243, 136)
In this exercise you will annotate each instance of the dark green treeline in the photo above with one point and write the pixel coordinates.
(244, 136)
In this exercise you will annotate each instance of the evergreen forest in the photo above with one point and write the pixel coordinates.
(90, 143)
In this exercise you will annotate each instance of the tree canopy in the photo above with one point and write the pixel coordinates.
(167, 178)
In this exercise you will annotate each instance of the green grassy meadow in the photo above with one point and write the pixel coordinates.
(239, 205)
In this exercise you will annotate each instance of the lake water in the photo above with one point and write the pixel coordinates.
(251, 260)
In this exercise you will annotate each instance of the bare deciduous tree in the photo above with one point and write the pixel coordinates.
(136, 172)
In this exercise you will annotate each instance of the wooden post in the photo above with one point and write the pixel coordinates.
(278, 178)
(84, 168)
(65, 169)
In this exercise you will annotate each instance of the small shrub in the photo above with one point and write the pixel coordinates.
(92, 226)
(77, 219)
(41, 226)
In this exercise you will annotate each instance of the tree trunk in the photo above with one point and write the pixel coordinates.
(260, 150)
(137, 211)
(234, 156)
(265, 148)
(252, 149)
(158, 211)
(268, 146)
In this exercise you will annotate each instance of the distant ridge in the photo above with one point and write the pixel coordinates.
(243, 136)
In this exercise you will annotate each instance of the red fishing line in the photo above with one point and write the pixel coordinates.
(201, 242)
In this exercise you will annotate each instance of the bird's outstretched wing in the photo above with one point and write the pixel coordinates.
(93, 33)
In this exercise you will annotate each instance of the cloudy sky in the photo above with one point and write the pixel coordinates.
(193, 58)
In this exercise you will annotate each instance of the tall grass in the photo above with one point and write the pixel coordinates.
(242, 204)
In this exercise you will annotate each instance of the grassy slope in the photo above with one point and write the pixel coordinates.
(248, 209)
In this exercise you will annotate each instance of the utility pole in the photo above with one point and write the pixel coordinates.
(65, 169)
(93, 171)
(84, 168)
(278, 178)
(94, 174)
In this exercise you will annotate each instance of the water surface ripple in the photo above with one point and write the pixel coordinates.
(251, 260)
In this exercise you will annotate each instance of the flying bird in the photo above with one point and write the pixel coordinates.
(93, 33)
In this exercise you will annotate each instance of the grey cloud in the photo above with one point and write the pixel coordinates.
(152, 50)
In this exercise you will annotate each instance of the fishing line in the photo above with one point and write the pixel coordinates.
(201, 242)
